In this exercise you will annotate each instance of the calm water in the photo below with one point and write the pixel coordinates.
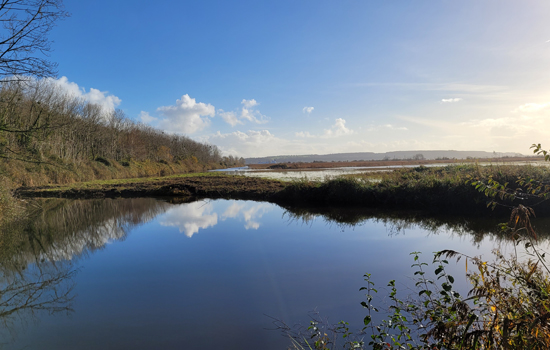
(321, 174)
(149, 274)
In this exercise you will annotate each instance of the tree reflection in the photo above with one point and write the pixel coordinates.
(398, 222)
(40, 288)
(39, 251)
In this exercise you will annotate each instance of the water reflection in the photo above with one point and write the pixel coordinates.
(56, 230)
(251, 213)
(41, 288)
(192, 217)
(189, 218)
(398, 222)
(38, 251)
(60, 230)
(246, 259)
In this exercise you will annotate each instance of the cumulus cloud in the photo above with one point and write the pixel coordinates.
(531, 107)
(251, 114)
(451, 100)
(107, 101)
(186, 116)
(252, 136)
(249, 103)
(248, 144)
(229, 117)
(307, 110)
(338, 129)
(146, 117)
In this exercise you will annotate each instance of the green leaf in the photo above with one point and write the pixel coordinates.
(367, 320)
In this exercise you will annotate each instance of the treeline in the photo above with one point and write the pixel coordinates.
(40, 122)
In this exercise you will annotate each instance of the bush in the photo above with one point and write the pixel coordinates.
(508, 306)
(103, 160)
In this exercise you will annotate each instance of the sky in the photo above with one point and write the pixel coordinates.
(265, 78)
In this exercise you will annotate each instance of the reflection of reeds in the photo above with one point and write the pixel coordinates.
(399, 221)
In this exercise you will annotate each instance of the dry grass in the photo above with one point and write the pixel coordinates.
(57, 172)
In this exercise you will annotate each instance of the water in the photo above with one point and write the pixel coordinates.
(150, 274)
(328, 173)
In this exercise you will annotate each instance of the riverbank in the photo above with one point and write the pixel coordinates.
(438, 189)
(391, 163)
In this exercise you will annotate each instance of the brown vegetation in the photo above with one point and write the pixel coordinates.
(47, 136)
(386, 163)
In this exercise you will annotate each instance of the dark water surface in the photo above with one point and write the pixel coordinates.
(149, 274)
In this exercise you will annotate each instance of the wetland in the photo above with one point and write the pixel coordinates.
(211, 273)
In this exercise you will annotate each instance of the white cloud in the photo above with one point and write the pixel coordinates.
(190, 218)
(251, 114)
(307, 110)
(248, 144)
(338, 129)
(304, 134)
(187, 116)
(451, 100)
(146, 117)
(531, 107)
(229, 117)
(249, 103)
(385, 126)
(107, 101)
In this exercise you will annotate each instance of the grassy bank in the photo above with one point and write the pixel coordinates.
(441, 189)
(58, 172)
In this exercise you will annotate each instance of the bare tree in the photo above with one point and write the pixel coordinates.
(24, 43)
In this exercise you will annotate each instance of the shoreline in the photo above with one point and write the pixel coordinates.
(445, 189)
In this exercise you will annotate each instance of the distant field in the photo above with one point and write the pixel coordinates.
(384, 163)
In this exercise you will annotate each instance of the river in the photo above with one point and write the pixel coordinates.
(213, 274)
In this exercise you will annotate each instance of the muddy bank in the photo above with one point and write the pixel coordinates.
(343, 192)
(196, 187)
(439, 189)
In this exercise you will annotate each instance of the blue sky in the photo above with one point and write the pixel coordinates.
(261, 78)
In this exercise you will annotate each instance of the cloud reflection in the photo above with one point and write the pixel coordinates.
(189, 218)
(192, 217)
(250, 212)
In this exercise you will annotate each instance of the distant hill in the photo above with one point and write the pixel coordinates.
(343, 157)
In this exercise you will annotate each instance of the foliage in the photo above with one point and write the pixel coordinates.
(103, 160)
(507, 307)
(40, 122)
